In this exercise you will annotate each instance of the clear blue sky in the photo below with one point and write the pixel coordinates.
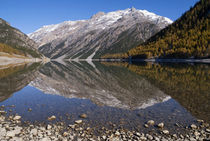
(29, 15)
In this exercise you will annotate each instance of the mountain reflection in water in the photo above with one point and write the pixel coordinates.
(110, 86)
(14, 78)
(189, 84)
(108, 91)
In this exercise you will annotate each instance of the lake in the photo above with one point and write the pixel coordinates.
(111, 94)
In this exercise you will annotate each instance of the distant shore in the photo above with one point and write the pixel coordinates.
(175, 60)
(4, 60)
(157, 60)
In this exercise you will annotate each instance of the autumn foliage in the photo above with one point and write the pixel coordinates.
(188, 37)
(8, 49)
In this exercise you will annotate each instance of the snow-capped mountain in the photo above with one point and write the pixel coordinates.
(103, 33)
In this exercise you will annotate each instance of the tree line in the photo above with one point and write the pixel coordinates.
(188, 37)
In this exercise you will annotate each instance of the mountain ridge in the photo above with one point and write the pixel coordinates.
(187, 37)
(80, 39)
(13, 41)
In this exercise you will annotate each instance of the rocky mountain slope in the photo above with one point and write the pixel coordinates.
(13, 41)
(187, 37)
(103, 33)
(103, 85)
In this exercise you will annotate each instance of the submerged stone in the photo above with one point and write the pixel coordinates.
(78, 121)
(51, 118)
(151, 122)
(161, 125)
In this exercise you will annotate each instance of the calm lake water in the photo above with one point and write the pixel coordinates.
(127, 95)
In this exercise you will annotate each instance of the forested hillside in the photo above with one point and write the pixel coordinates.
(188, 37)
(8, 49)
(13, 41)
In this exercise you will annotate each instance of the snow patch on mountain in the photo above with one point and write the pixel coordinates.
(98, 21)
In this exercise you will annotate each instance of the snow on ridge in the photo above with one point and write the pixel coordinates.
(168, 20)
(154, 16)
(111, 17)
(98, 21)
(52, 27)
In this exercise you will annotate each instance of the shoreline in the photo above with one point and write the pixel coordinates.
(156, 60)
(141, 60)
(13, 128)
(5, 61)
(173, 60)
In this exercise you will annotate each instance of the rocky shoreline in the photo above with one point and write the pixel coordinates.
(12, 128)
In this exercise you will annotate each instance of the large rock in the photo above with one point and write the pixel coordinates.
(34, 132)
(2, 132)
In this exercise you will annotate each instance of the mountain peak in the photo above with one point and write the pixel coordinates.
(133, 9)
(99, 14)
(3, 22)
(98, 34)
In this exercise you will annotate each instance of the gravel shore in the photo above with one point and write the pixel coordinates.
(13, 129)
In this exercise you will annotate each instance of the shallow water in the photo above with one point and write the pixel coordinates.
(127, 95)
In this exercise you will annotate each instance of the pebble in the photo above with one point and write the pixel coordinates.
(181, 136)
(29, 109)
(2, 106)
(78, 121)
(117, 133)
(143, 138)
(2, 132)
(49, 127)
(149, 137)
(45, 139)
(17, 118)
(199, 120)
(164, 139)
(65, 134)
(166, 132)
(192, 139)
(10, 134)
(150, 122)
(17, 130)
(88, 129)
(3, 112)
(104, 137)
(34, 132)
(196, 133)
(49, 133)
(193, 126)
(174, 135)
(145, 125)
(83, 116)
(156, 138)
(2, 119)
(72, 126)
(161, 125)
(208, 130)
(138, 134)
(51, 118)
